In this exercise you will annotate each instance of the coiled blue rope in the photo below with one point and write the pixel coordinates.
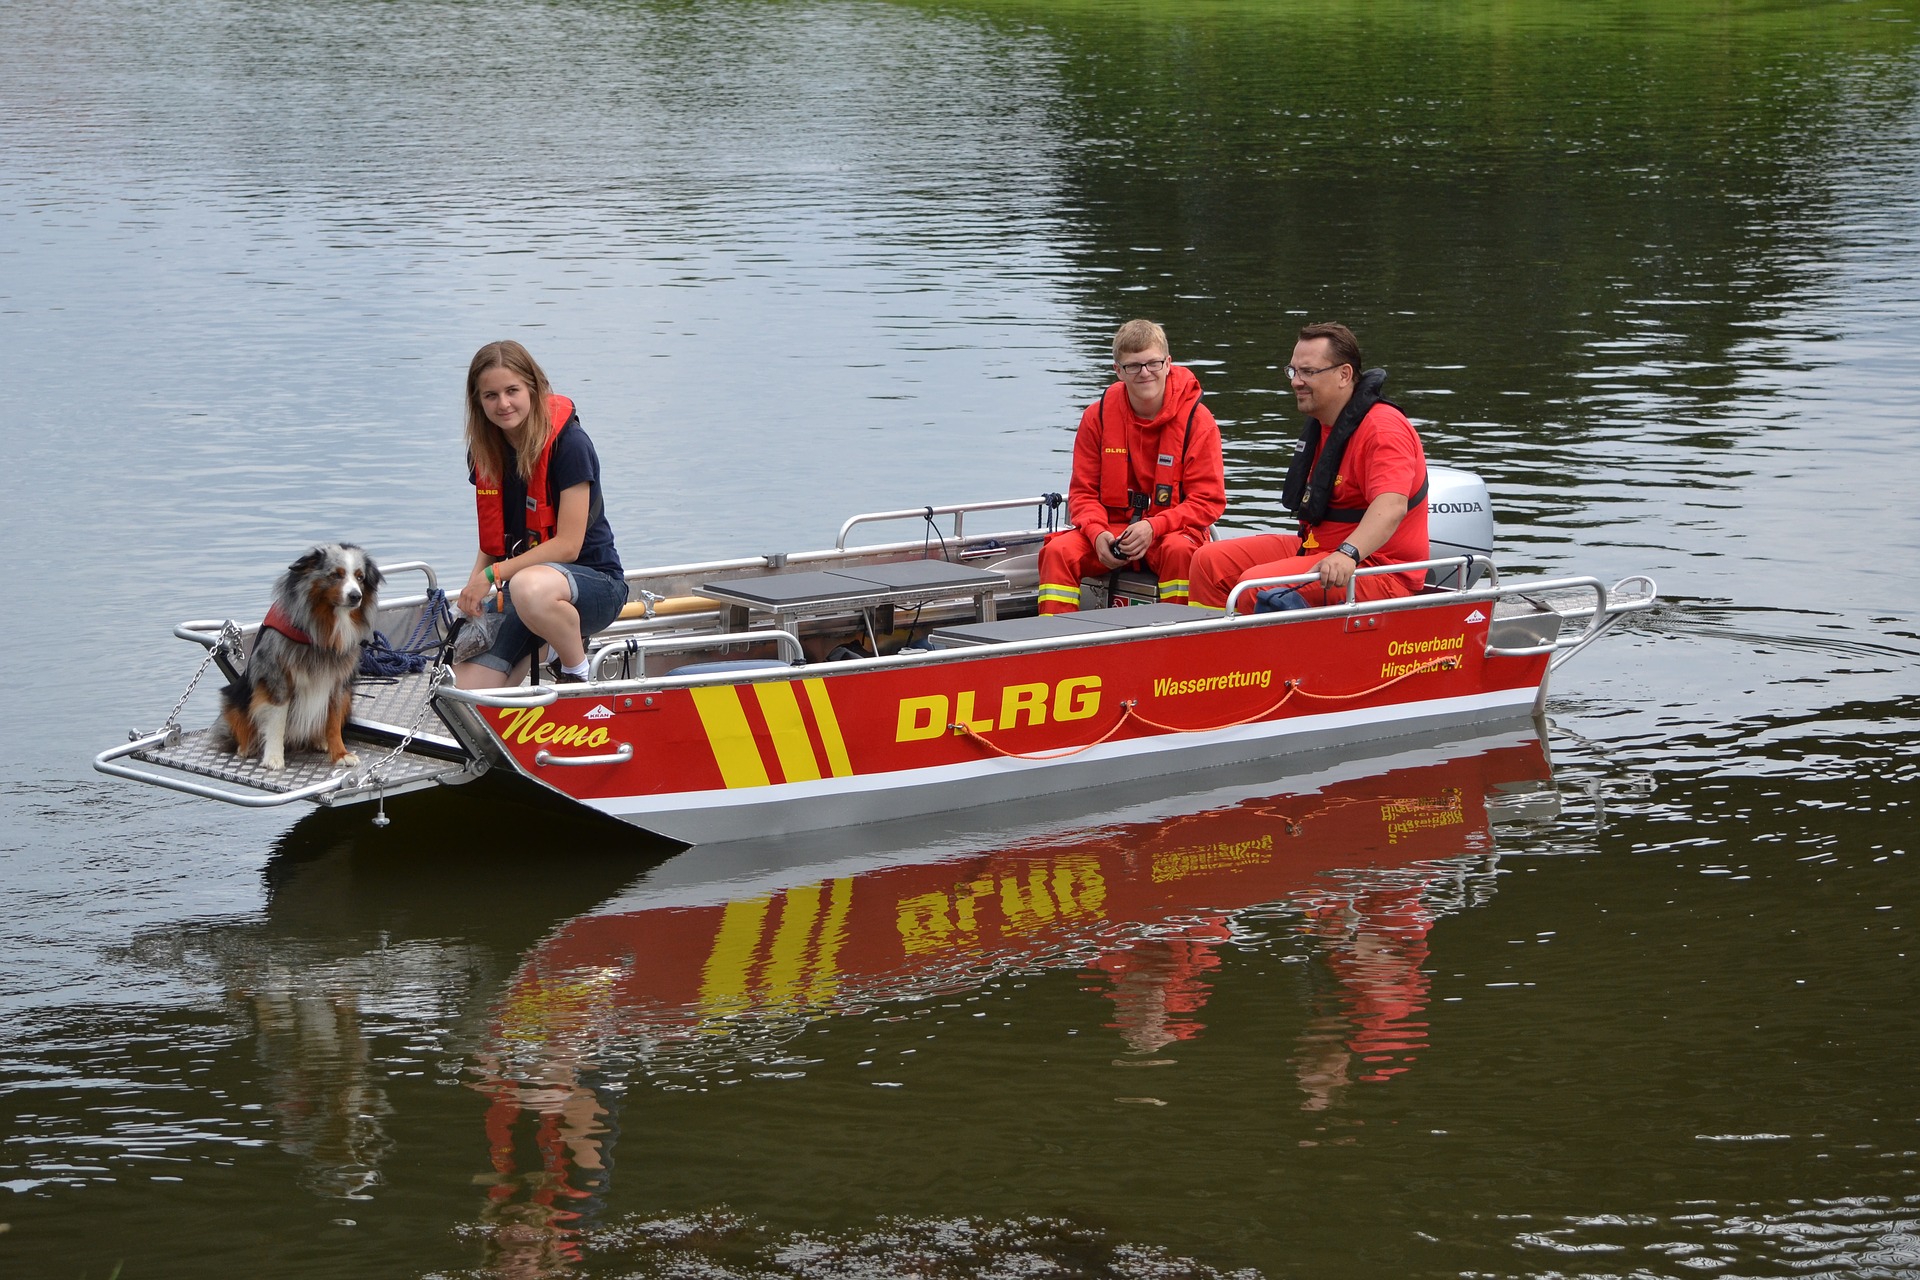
(380, 658)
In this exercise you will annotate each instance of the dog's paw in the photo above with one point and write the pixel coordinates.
(347, 761)
(273, 761)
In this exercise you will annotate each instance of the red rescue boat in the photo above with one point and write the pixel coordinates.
(785, 693)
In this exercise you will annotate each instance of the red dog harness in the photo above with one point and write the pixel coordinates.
(280, 620)
(541, 515)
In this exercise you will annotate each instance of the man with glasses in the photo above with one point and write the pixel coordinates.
(1358, 483)
(1147, 478)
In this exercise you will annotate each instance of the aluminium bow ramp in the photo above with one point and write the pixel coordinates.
(383, 710)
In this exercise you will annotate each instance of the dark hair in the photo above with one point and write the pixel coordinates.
(1346, 347)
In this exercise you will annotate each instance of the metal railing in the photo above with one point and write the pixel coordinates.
(1610, 605)
(206, 631)
(1464, 564)
(624, 650)
(958, 511)
(525, 695)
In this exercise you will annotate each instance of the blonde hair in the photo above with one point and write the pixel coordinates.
(487, 445)
(1139, 335)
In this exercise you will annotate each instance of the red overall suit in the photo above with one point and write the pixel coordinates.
(1172, 461)
(1384, 456)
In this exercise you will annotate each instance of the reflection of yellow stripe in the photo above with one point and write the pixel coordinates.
(734, 749)
(833, 932)
(724, 982)
(790, 741)
(829, 729)
(787, 957)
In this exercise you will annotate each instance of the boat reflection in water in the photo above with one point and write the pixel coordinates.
(370, 958)
(723, 954)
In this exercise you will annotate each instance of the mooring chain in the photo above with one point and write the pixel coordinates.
(229, 641)
(370, 775)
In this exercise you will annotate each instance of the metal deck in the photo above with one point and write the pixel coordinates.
(388, 705)
(197, 753)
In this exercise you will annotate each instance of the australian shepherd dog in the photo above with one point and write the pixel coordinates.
(298, 685)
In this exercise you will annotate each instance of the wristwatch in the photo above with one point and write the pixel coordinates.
(1350, 551)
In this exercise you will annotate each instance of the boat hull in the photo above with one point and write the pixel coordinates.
(833, 745)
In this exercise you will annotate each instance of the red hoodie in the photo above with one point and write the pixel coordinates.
(1196, 476)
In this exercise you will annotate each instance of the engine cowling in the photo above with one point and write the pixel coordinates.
(1459, 521)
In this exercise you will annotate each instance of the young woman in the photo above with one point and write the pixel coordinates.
(547, 559)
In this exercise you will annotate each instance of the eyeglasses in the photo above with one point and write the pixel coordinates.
(1294, 371)
(1134, 368)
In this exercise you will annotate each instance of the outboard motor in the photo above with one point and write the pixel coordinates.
(1459, 522)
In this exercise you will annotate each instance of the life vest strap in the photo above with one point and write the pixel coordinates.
(1354, 515)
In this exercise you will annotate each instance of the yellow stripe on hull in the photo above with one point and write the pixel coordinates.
(830, 738)
(790, 741)
(734, 749)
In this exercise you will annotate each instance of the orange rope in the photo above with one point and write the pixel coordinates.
(966, 731)
(1447, 663)
(1129, 710)
(1292, 687)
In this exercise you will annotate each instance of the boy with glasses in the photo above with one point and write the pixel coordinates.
(1358, 483)
(1147, 477)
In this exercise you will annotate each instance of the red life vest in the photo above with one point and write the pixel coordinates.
(1116, 414)
(542, 517)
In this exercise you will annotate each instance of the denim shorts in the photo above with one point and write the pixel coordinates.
(597, 596)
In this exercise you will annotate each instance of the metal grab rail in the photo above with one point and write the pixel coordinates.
(1463, 563)
(206, 631)
(413, 566)
(631, 645)
(536, 695)
(958, 511)
(107, 762)
(1610, 605)
(543, 757)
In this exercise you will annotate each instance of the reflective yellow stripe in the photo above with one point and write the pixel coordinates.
(829, 728)
(790, 741)
(1061, 594)
(1174, 591)
(734, 749)
(1210, 608)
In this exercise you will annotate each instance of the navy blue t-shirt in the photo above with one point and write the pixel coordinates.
(572, 461)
